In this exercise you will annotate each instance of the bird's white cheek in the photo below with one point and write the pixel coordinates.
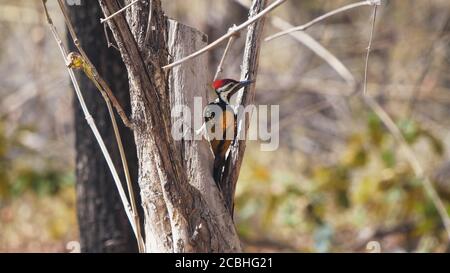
(223, 96)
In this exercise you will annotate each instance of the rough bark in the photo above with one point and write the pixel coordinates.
(183, 209)
(102, 222)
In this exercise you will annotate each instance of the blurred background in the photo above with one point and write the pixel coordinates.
(338, 180)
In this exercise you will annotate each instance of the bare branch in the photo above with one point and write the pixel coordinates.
(77, 61)
(95, 74)
(109, 97)
(222, 60)
(102, 20)
(405, 147)
(149, 22)
(323, 17)
(366, 69)
(313, 45)
(92, 125)
(413, 161)
(108, 42)
(228, 35)
(318, 49)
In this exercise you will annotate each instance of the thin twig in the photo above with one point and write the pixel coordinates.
(149, 21)
(128, 210)
(412, 159)
(102, 20)
(313, 45)
(101, 85)
(369, 47)
(323, 17)
(141, 245)
(95, 74)
(310, 110)
(228, 35)
(318, 49)
(88, 116)
(77, 61)
(407, 150)
(108, 42)
(222, 60)
(429, 58)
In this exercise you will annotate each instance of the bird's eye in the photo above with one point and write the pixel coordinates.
(209, 113)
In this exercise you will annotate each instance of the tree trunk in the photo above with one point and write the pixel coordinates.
(184, 210)
(102, 222)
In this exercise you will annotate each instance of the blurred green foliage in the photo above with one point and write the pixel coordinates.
(37, 197)
(21, 174)
(369, 185)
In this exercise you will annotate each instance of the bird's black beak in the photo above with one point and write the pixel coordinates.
(241, 84)
(245, 83)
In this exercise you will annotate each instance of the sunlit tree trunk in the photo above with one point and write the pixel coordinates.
(183, 208)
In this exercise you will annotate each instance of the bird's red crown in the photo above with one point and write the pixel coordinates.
(222, 82)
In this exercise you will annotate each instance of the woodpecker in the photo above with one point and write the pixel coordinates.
(221, 121)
